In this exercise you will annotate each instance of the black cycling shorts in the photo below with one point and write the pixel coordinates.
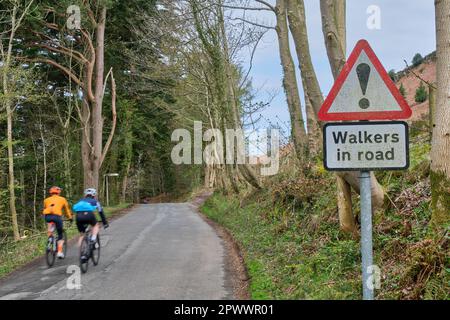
(84, 219)
(57, 220)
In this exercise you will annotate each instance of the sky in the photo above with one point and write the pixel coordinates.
(407, 27)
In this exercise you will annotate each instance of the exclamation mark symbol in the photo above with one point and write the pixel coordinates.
(363, 72)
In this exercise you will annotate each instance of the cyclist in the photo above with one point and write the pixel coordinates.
(53, 210)
(85, 214)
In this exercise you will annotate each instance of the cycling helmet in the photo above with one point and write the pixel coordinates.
(55, 190)
(90, 192)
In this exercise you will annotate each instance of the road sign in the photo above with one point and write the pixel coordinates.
(364, 91)
(366, 146)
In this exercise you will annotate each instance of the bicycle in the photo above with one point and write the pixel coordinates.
(89, 250)
(52, 245)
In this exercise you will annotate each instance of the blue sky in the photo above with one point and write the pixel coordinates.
(407, 27)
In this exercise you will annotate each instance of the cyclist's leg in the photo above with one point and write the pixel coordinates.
(92, 221)
(95, 230)
(49, 220)
(59, 228)
(81, 226)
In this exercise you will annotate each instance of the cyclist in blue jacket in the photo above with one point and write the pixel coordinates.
(85, 214)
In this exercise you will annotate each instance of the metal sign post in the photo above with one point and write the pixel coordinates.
(364, 91)
(366, 235)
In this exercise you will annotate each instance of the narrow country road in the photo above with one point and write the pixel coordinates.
(156, 251)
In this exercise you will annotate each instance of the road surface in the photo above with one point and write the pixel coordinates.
(156, 251)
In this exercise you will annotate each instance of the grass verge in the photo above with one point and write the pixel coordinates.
(293, 249)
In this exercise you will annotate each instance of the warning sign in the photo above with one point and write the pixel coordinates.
(364, 91)
(366, 146)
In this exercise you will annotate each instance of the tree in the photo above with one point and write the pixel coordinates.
(289, 80)
(417, 59)
(11, 77)
(222, 80)
(402, 90)
(311, 88)
(86, 47)
(334, 31)
(393, 75)
(440, 150)
(421, 94)
(232, 93)
(290, 83)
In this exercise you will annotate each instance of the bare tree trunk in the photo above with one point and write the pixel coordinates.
(432, 112)
(233, 102)
(123, 198)
(23, 199)
(35, 183)
(67, 167)
(97, 119)
(334, 30)
(6, 57)
(35, 197)
(311, 88)
(297, 25)
(9, 141)
(440, 151)
(86, 145)
(347, 221)
(138, 179)
(290, 81)
(44, 155)
(92, 148)
(314, 129)
(11, 184)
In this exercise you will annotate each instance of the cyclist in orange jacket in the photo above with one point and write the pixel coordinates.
(53, 211)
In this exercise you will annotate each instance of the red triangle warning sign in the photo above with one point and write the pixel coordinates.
(364, 91)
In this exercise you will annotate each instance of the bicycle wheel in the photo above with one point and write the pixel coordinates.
(65, 243)
(95, 253)
(84, 252)
(50, 252)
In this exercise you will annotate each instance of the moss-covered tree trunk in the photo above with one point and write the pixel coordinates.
(440, 151)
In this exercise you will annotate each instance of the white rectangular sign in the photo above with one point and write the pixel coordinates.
(366, 146)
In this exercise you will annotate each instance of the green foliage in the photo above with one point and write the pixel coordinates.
(288, 254)
(402, 90)
(417, 59)
(293, 247)
(47, 129)
(393, 75)
(421, 94)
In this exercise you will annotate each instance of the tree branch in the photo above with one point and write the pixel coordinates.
(253, 23)
(419, 77)
(251, 60)
(63, 50)
(90, 66)
(245, 8)
(114, 115)
(268, 5)
(72, 76)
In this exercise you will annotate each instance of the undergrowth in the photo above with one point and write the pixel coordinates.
(293, 248)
